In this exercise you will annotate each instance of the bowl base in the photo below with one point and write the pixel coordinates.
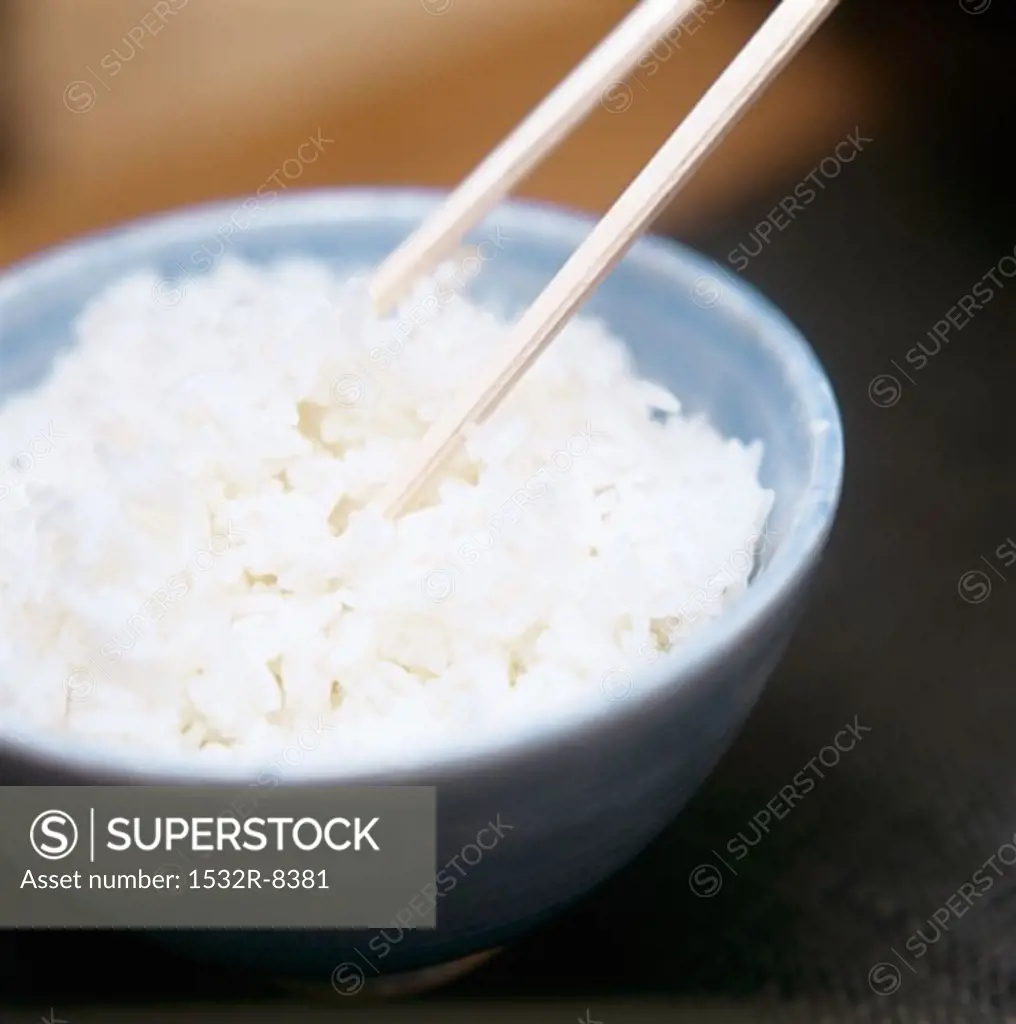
(393, 986)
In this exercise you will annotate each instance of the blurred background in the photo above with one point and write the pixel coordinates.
(112, 109)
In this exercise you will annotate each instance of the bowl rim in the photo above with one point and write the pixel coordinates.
(798, 551)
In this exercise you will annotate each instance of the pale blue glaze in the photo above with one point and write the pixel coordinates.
(584, 794)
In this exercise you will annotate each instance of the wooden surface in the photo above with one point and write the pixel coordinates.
(224, 93)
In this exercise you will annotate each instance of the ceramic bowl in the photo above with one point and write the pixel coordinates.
(575, 798)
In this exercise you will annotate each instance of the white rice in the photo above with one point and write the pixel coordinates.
(186, 563)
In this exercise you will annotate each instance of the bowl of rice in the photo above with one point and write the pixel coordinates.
(563, 635)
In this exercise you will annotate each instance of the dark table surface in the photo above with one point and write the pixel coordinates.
(816, 923)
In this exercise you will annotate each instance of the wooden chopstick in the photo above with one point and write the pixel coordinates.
(765, 55)
(524, 148)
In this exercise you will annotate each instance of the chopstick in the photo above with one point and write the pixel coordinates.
(524, 148)
(761, 60)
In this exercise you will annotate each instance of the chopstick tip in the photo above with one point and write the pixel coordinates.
(380, 302)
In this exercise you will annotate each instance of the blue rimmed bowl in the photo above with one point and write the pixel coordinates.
(578, 796)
